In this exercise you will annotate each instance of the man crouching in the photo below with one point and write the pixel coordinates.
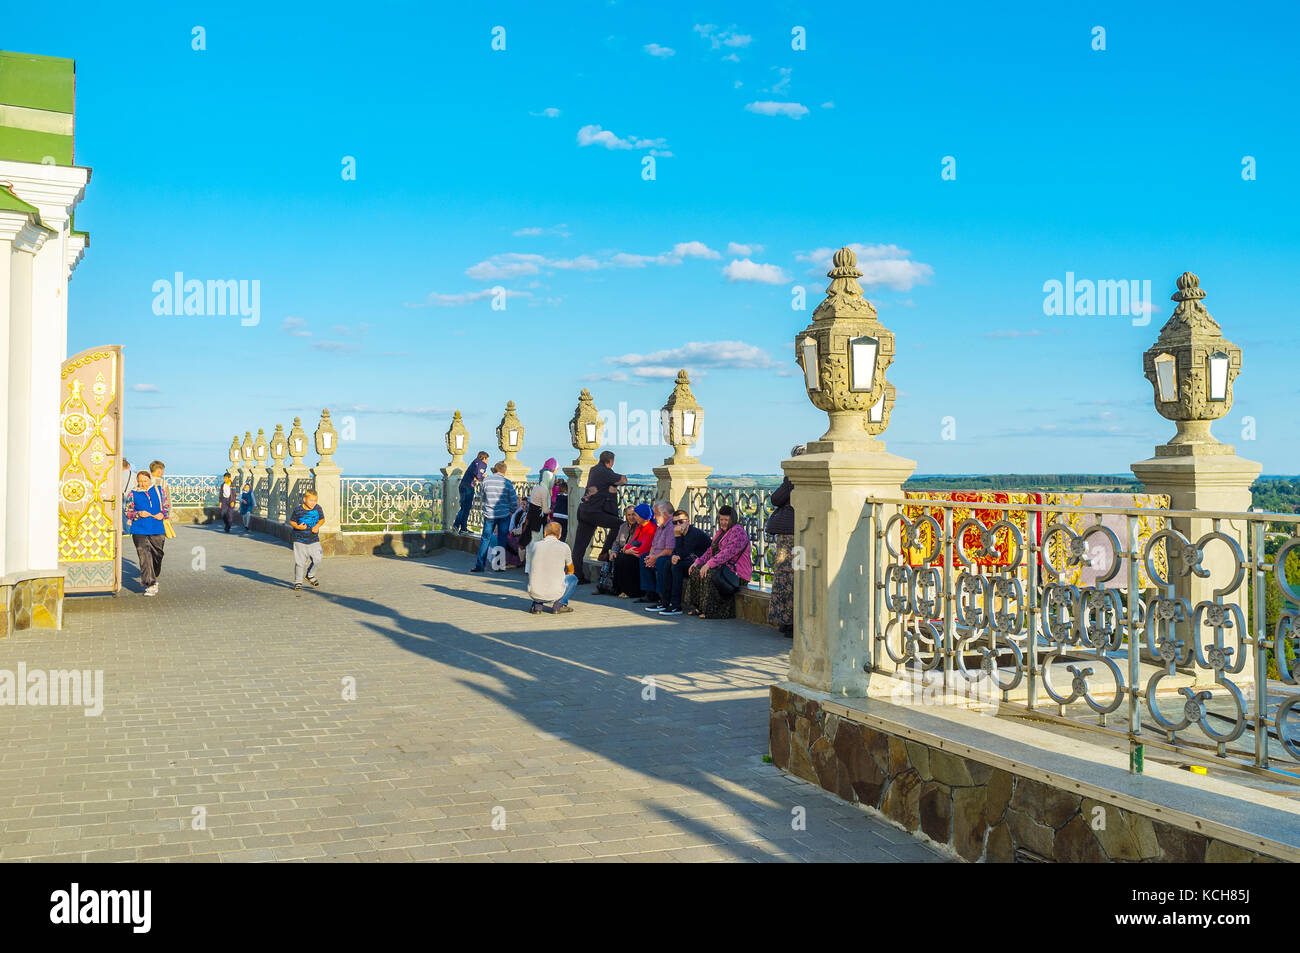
(550, 572)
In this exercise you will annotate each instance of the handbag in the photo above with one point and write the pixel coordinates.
(727, 581)
(168, 532)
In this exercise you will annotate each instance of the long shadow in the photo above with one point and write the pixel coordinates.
(587, 686)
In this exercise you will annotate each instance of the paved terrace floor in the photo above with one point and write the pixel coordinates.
(226, 693)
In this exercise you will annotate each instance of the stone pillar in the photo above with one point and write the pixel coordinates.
(297, 476)
(510, 440)
(1193, 468)
(261, 482)
(327, 475)
(276, 496)
(235, 457)
(246, 460)
(457, 438)
(681, 419)
(844, 353)
(586, 433)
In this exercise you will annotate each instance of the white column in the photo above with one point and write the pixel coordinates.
(17, 497)
(6, 253)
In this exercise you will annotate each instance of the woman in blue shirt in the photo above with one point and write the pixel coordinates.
(144, 509)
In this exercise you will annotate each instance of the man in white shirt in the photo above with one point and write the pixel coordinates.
(550, 572)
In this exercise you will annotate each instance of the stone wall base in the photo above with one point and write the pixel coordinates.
(986, 812)
(30, 602)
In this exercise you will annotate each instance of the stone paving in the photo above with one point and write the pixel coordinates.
(225, 710)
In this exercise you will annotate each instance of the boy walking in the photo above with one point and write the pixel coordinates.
(306, 521)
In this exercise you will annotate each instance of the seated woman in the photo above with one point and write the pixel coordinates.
(627, 564)
(514, 545)
(605, 585)
(705, 593)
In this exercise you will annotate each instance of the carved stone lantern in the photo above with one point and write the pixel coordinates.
(1191, 368)
(279, 447)
(586, 430)
(457, 442)
(297, 442)
(327, 439)
(844, 354)
(234, 455)
(246, 451)
(680, 419)
(510, 440)
(260, 448)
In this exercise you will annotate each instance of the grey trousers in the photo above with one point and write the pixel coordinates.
(304, 554)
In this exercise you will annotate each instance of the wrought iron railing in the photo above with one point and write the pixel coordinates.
(474, 522)
(380, 504)
(753, 505)
(187, 490)
(1075, 608)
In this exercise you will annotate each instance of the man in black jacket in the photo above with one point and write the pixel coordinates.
(689, 544)
(599, 507)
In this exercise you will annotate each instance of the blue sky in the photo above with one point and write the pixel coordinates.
(522, 168)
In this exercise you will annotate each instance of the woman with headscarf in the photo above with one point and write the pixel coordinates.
(627, 564)
(780, 608)
(705, 593)
(539, 504)
(605, 584)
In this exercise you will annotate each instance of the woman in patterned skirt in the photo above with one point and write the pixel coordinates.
(780, 608)
(730, 549)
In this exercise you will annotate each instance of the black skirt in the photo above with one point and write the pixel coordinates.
(627, 574)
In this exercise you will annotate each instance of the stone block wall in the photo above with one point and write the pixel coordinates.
(981, 812)
(35, 603)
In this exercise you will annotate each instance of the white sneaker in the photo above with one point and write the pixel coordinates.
(151, 591)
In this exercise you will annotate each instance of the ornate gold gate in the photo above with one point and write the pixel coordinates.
(90, 471)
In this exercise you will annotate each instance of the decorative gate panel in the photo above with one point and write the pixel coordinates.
(90, 471)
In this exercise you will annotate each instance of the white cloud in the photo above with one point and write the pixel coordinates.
(783, 82)
(736, 39)
(581, 263)
(886, 265)
(440, 300)
(550, 112)
(828, 105)
(333, 346)
(592, 135)
(719, 38)
(694, 250)
(508, 265)
(618, 377)
(295, 326)
(696, 354)
(745, 270)
(401, 411)
(654, 49)
(793, 110)
(737, 250)
(145, 388)
(536, 230)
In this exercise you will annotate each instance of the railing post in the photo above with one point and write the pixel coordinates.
(510, 440)
(457, 438)
(297, 476)
(682, 416)
(278, 492)
(261, 487)
(327, 475)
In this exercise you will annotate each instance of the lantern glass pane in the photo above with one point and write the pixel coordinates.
(591, 433)
(1218, 376)
(1166, 377)
(514, 438)
(297, 446)
(878, 410)
(688, 423)
(811, 372)
(325, 439)
(862, 363)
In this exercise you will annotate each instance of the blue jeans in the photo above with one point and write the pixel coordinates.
(570, 584)
(492, 529)
(466, 501)
(655, 578)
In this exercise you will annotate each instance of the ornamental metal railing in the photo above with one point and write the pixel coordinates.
(188, 490)
(1075, 609)
(474, 522)
(383, 504)
(752, 505)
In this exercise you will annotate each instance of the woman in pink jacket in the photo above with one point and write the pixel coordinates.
(729, 553)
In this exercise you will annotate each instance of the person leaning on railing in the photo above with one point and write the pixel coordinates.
(726, 568)
(599, 507)
(780, 608)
